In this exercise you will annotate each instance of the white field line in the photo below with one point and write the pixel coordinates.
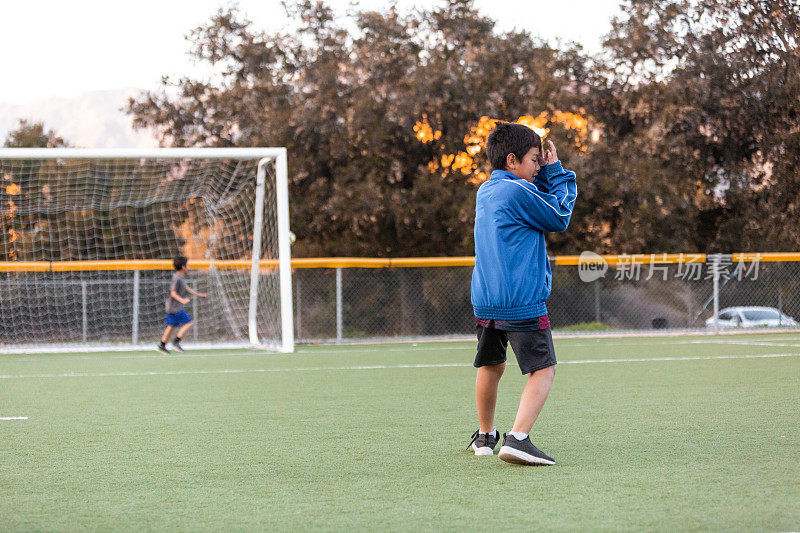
(343, 350)
(633, 342)
(371, 367)
(622, 339)
(251, 353)
(752, 343)
(769, 338)
(370, 350)
(13, 417)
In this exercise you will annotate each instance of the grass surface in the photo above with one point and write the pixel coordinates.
(363, 436)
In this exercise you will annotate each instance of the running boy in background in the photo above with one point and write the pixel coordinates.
(528, 194)
(176, 316)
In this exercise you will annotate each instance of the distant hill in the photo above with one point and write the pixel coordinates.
(91, 120)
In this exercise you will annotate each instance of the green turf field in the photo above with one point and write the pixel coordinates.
(674, 438)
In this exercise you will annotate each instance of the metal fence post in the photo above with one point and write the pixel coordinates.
(84, 313)
(298, 308)
(339, 325)
(194, 313)
(715, 260)
(135, 325)
(597, 300)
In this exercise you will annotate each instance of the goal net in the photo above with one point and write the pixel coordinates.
(87, 239)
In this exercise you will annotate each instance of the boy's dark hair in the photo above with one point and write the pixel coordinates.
(508, 138)
(179, 262)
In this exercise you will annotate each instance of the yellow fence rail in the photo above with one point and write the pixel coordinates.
(361, 262)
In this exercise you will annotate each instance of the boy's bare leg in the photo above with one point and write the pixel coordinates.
(486, 394)
(184, 329)
(533, 397)
(167, 333)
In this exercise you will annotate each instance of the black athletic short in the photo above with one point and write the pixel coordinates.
(534, 349)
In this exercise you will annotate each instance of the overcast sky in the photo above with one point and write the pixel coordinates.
(57, 48)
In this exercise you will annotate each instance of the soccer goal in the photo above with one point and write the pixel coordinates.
(87, 238)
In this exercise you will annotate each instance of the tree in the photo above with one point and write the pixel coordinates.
(684, 132)
(699, 104)
(54, 210)
(29, 134)
(346, 104)
(16, 187)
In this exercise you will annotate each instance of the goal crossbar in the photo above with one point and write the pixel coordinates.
(135, 153)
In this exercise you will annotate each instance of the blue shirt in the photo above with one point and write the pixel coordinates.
(512, 278)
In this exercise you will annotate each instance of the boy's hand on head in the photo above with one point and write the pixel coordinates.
(551, 156)
(541, 158)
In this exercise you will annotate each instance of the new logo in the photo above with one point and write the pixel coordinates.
(591, 266)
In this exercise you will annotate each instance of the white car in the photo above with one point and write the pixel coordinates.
(751, 317)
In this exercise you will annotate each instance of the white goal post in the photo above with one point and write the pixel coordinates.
(87, 237)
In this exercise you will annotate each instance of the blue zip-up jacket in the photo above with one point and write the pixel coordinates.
(511, 278)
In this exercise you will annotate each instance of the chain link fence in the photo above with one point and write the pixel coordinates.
(359, 303)
(673, 296)
(126, 307)
(345, 304)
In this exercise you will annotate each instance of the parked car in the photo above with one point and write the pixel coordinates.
(751, 317)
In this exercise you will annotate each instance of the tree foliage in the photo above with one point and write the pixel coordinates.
(32, 134)
(700, 107)
(15, 186)
(684, 132)
(55, 210)
(346, 101)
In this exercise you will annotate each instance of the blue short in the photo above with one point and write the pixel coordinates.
(177, 319)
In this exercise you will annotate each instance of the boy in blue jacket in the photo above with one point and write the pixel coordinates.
(528, 194)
